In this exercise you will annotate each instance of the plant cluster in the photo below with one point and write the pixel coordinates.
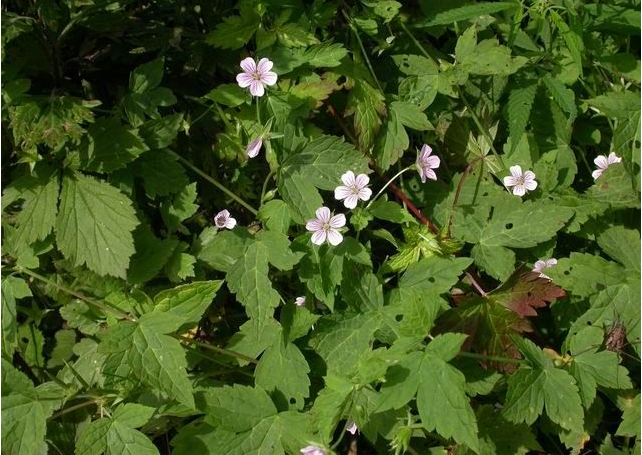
(321, 227)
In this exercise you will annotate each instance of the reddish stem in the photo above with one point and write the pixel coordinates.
(400, 194)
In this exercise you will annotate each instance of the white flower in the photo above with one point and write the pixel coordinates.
(426, 163)
(256, 76)
(254, 147)
(312, 450)
(352, 428)
(325, 227)
(602, 162)
(299, 301)
(353, 189)
(541, 265)
(521, 182)
(224, 220)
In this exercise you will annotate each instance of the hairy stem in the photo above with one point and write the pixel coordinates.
(215, 183)
(383, 188)
(363, 50)
(483, 130)
(402, 196)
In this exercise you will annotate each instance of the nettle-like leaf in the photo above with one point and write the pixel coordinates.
(94, 225)
(143, 350)
(520, 102)
(367, 105)
(13, 288)
(442, 403)
(318, 166)
(525, 291)
(118, 434)
(541, 386)
(234, 31)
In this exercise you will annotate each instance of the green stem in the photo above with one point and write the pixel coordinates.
(258, 112)
(78, 295)
(265, 184)
(73, 408)
(363, 50)
(493, 358)
(205, 112)
(228, 125)
(481, 128)
(223, 351)
(215, 183)
(416, 41)
(387, 184)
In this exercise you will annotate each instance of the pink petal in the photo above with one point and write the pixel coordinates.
(613, 158)
(351, 201)
(365, 193)
(516, 171)
(244, 80)
(530, 185)
(422, 174)
(551, 262)
(299, 301)
(601, 161)
(256, 88)
(334, 237)
(314, 225)
(248, 65)
(352, 428)
(338, 221)
(362, 180)
(348, 178)
(432, 162)
(342, 192)
(323, 214)
(264, 66)
(269, 78)
(509, 180)
(430, 174)
(254, 147)
(230, 223)
(319, 237)
(539, 265)
(529, 175)
(519, 190)
(596, 174)
(426, 150)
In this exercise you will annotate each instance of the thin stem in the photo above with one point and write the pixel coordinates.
(205, 112)
(223, 351)
(221, 114)
(215, 183)
(265, 184)
(476, 285)
(401, 195)
(78, 295)
(258, 111)
(481, 128)
(416, 41)
(73, 408)
(458, 191)
(363, 50)
(383, 188)
(342, 124)
(493, 358)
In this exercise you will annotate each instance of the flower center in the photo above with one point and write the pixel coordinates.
(220, 220)
(256, 76)
(520, 180)
(326, 226)
(354, 190)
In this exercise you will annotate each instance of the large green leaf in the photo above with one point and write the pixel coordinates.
(367, 105)
(95, 224)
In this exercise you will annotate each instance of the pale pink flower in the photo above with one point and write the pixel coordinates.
(541, 265)
(256, 75)
(602, 162)
(325, 227)
(426, 163)
(254, 147)
(224, 220)
(353, 189)
(312, 450)
(352, 428)
(299, 301)
(521, 182)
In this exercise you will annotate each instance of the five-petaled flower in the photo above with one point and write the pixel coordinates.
(353, 189)
(352, 427)
(326, 227)
(520, 182)
(299, 301)
(224, 220)
(541, 265)
(256, 75)
(312, 450)
(426, 163)
(254, 147)
(602, 162)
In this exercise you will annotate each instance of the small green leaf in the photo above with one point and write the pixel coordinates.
(235, 31)
(180, 208)
(147, 76)
(367, 105)
(276, 215)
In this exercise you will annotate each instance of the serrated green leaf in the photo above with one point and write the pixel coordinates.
(234, 31)
(367, 105)
(13, 288)
(276, 215)
(614, 187)
(630, 425)
(147, 76)
(464, 13)
(293, 35)
(491, 58)
(415, 65)
(110, 146)
(95, 224)
(585, 274)
(221, 249)
(283, 369)
(410, 115)
(542, 386)
(390, 211)
(564, 97)
(326, 54)
(180, 208)
(623, 245)
(189, 301)
(162, 174)
(497, 261)
(520, 102)
(160, 133)
(498, 436)
(65, 341)
(156, 359)
(151, 255)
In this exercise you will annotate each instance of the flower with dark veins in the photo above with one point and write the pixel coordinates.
(223, 219)
(519, 181)
(426, 163)
(256, 75)
(603, 162)
(326, 227)
(544, 264)
(353, 189)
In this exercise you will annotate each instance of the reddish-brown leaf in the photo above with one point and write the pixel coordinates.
(523, 292)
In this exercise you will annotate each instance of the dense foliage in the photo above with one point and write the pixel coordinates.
(170, 286)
